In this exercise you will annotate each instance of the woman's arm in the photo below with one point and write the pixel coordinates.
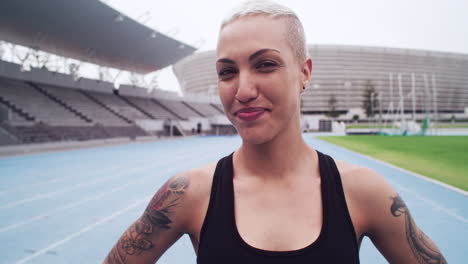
(162, 223)
(381, 214)
(398, 237)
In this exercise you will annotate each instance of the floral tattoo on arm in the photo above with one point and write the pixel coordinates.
(140, 236)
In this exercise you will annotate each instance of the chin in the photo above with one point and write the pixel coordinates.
(255, 136)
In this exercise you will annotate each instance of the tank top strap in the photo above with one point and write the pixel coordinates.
(220, 213)
(335, 209)
(329, 176)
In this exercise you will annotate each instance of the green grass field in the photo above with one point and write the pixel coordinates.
(368, 126)
(377, 126)
(444, 158)
(452, 125)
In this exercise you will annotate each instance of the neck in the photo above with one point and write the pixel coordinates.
(281, 157)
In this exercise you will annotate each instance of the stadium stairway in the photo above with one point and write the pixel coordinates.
(167, 109)
(60, 102)
(173, 128)
(106, 106)
(134, 105)
(221, 111)
(7, 138)
(16, 109)
(193, 109)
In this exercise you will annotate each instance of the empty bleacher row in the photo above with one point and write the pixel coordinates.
(37, 112)
(31, 101)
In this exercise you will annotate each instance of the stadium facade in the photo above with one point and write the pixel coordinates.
(40, 104)
(438, 80)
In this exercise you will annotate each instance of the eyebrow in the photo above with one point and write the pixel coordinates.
(226, 60)
(251, 57)
(260, 52)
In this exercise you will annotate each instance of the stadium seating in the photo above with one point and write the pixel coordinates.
(117, 105)
(218, 107)
(178, 108)
(38, 105)
(204, 109)
(152, 108)
(12, 113)
(126, 131)
(35, 133)
(6, 138)
(46, 99)
(86, 106)
(38, 111)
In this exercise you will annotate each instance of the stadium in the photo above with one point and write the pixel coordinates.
(81, 156)
(41, 105)
(438, 80)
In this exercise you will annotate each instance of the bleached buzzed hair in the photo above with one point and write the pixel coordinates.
(295, 35)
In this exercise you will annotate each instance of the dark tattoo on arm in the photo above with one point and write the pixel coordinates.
(423, 249)
(156, 218)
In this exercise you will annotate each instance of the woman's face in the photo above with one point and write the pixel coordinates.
(259, 79)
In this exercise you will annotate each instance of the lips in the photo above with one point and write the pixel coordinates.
(250, 113)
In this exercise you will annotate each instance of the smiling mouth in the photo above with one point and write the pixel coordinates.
(250, 114)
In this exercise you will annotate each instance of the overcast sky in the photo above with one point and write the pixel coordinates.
(440, 25)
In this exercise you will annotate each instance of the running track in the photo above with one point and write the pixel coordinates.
(72, 206)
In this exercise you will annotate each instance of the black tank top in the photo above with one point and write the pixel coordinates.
(220, 241)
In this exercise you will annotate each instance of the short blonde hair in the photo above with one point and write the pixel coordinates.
(295, 35)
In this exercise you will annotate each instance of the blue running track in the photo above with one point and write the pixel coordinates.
(72, 206)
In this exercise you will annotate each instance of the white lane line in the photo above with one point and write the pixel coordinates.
(56, 179)
(67, 206)
(84, 230)
(84, 184)
(98, 180)
(436, 206)
(448, 211)
(108, 169)
(42, 178)
(64, 190)
(447, 186)
(442, 184)
(96, 197)
(88, 228)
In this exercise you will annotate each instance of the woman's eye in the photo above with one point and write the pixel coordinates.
(227, 73)
(266, 66)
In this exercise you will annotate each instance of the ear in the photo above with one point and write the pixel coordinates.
(306, 72)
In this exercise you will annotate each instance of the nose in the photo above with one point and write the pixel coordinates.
(246, 90)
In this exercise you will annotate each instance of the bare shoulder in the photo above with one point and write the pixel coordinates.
(368, 195)
(197, 191)
(199, 180)
(361, 182)
(179, 201)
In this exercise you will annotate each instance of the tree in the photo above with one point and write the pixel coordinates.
(355, 118)
(370, 101)
(332, 112)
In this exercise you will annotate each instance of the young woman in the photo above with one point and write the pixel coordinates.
(275, 199)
